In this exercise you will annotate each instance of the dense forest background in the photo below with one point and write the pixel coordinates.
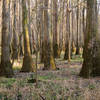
(49, 50)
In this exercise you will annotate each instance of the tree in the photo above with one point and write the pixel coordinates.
(41, 30)
(49, 62)
(15, 35)
(77, 42)
(68, 44)
(55, 33)
(5, 66)
(20, 49)
(61, 25)
(91, 64)
(27, 60)
(29, 26)
(73, 40)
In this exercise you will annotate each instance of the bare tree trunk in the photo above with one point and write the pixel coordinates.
(61, 28)
(20, 30)
(5, 66)
(15, 36)
(77, 41)
(29, 26)
(67, 55)
(41, 32)
(49, 62)
(27, 60)
(55, 33)
(73, 42)
(91, 64)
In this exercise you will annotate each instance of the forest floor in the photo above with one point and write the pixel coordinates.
(63, 84)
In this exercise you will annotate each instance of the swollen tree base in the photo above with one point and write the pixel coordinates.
(85, 70)
(49, 65)
(91, 64)
(6, 69)
(49, 62)
(27, 64)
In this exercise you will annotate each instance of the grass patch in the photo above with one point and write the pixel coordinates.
(77, 58)
(7, 82)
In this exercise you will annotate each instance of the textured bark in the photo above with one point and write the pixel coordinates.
(49, 62)
(73, 44)
(39, 24)
(55, 33)
(77, 42)
(41, 33)
(27, 60)
(15, 35)
(5, 66)
(20, 49)
(68, 42)
(91, 64)
(29, 27)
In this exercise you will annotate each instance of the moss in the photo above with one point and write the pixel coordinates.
(73, 48)
(52, 63)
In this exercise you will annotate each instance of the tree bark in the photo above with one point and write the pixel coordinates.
(77, 41)
(67, 55)
(27, 60)
(91, 64)
(15, 42)
(5, 66)
(49, 62)
(55, 33)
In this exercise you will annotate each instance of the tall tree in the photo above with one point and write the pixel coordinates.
(77, 41)
(27, 60)
(55, 33)
(15, 35)
(20, 29)
(61, 26)
(73, 44)
(91, 64)
(29, 25)
(41, 31)
(68, 44)
(5, 66)
(49, 62)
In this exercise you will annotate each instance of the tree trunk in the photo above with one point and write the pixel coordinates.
(91, 64)
(5, 66)
(61, 27)
(15, 36)
(67, 55)
(55, 33)
(49, 62)
(73, 42)
(77, 41)
(29, 27)
(20, 30)
(41, 33)
(27, 60)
